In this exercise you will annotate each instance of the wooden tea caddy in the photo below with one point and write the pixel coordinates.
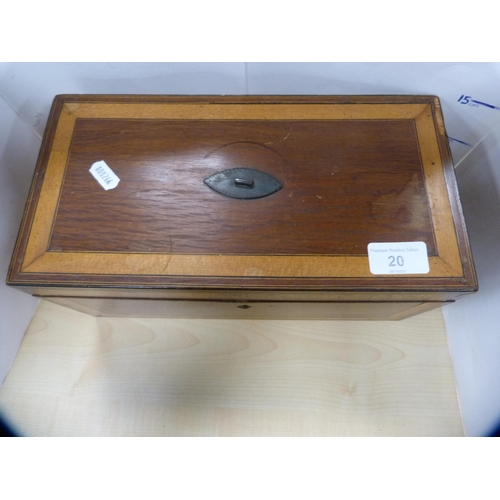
(349, 171)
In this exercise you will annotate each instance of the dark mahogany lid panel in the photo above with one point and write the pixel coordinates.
(345, 184)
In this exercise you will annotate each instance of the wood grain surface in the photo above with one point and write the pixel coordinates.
(355, 170)
(77, 375)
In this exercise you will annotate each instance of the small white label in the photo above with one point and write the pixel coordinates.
(104, 175)
(398, 258)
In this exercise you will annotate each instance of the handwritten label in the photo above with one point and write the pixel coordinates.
(398, 258)
(467, 100)
(451, 139)
(104, 175)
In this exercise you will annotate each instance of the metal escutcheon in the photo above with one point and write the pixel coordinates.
(243, 183)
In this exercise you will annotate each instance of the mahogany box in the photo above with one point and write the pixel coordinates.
(290, 207)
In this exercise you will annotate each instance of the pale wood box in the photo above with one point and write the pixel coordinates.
(352, 170)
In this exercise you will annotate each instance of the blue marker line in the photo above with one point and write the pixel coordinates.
(461, 142)
(484, 104)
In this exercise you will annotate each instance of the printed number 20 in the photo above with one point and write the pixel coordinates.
(393, 261)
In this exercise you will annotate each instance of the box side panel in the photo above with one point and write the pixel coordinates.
(246, 310)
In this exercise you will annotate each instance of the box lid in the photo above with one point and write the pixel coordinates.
(354, 170)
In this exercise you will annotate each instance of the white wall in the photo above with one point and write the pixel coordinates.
(28, 90)
(31, 87)
(473, 325)
(18, 152)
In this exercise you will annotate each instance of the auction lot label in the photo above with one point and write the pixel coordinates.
(409, 257)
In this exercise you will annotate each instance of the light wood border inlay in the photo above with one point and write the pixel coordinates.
(441, 214)
(39, 260)
(223, 265)
(203, 111)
